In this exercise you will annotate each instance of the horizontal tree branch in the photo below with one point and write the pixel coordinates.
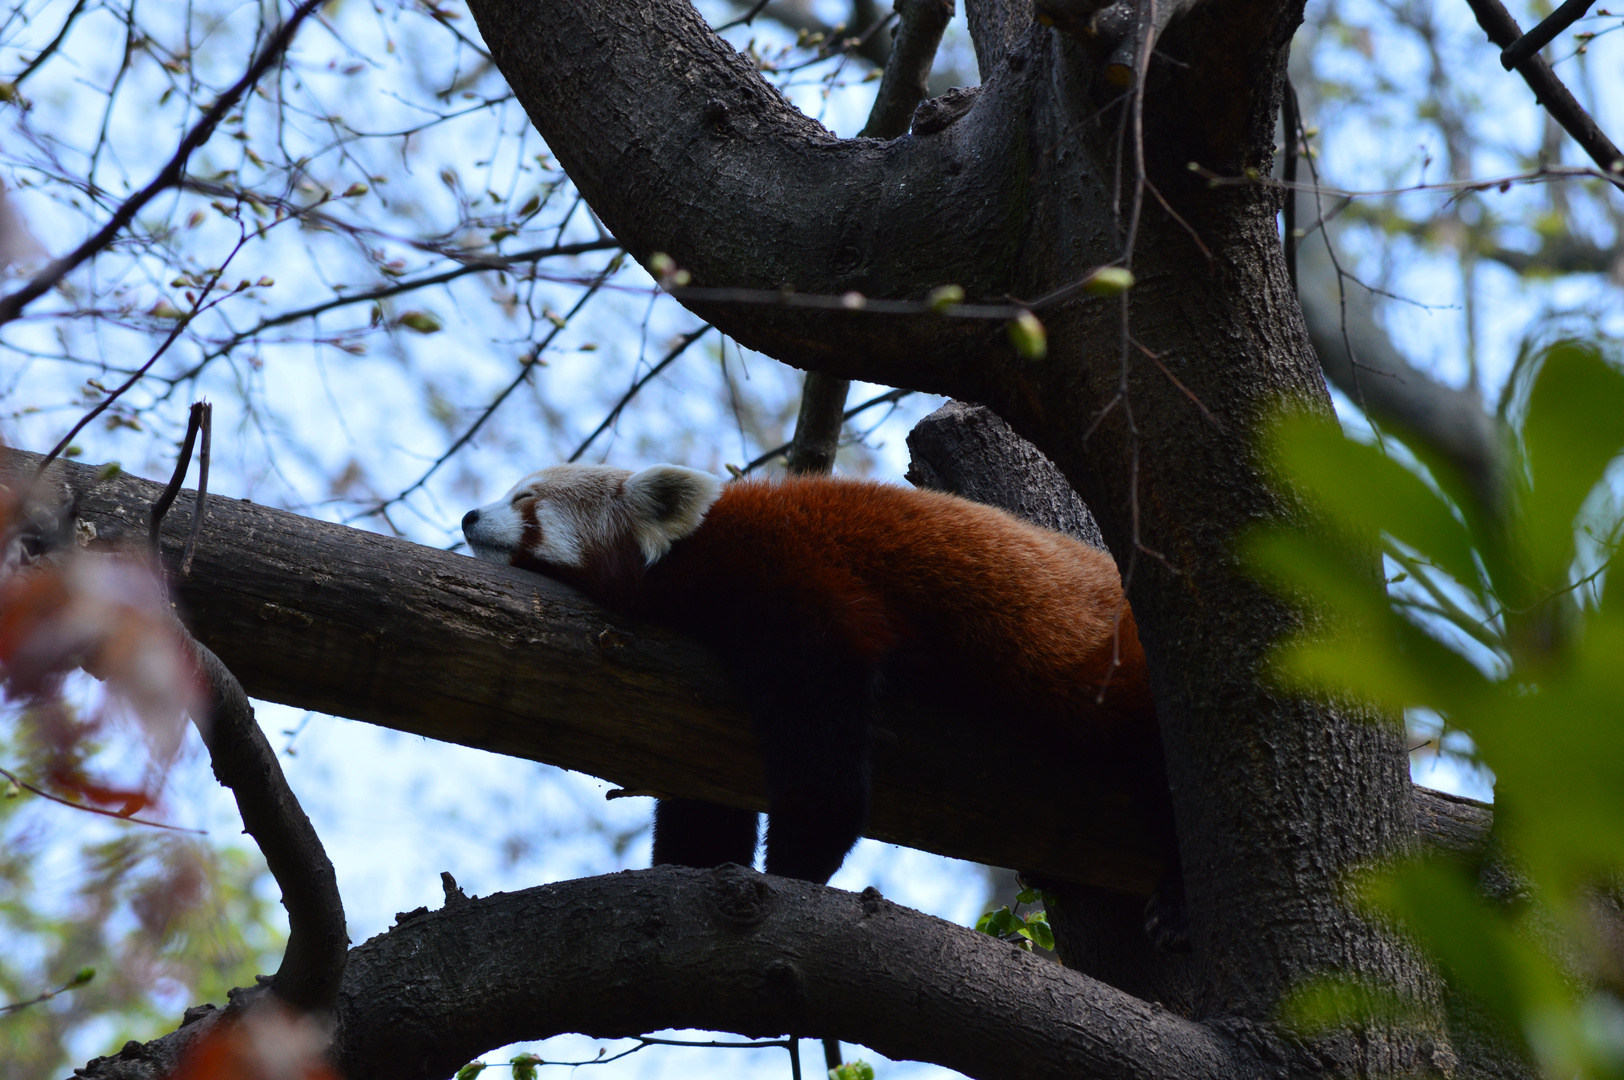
(732, 950)
(324, 617)
(738, 951)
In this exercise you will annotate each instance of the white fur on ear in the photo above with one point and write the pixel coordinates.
(667, 503)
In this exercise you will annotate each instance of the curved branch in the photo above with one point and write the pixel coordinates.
(243, 761)
(732, 950)
(738, 951)
(768, 197)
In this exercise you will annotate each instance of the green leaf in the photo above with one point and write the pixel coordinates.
(1026, 333)
(421, 321)
(1483, 951)
(945, 296)
(852, 1070)
(1365, 491)
(524, 1066)
(1108, 281)
(1573, 430)
(470, 1070)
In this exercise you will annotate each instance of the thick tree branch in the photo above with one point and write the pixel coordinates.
(817, 425)
(732, 950)
(969, 451)
(995, 28)
(739, 951)
(347, 622)
(325, 617)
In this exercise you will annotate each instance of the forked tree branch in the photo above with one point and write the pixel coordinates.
(1549, 90)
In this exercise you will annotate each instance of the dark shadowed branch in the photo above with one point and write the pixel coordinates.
(731, 950)
(1549, 90)
(244, 762)
(907, 70)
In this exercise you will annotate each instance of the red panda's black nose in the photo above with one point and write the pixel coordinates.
(470, 519)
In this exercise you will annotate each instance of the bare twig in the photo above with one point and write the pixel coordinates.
(183, 461)
(49, 50)
(383, 292)
(625, 399)
(200, 509)
(114, 814)
(526, 366)
(12, 306)
(747, 18)
(181, 323)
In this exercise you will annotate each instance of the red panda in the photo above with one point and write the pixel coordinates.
(817, 593)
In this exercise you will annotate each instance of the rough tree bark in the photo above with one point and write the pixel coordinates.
(1032, 189)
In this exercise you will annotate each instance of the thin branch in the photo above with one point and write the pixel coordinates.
(183, 461)
(818, 423)
(525, 368)
(201, 508)
(746, 19)
(1550, 92)
(779, 451)
(115, 815)
(12, 306)
(49, 50)
(666, 361)
(383, 292)
(1544, 33)
(181, 323)
(907, 69)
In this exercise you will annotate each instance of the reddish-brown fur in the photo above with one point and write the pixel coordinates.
(948, 594)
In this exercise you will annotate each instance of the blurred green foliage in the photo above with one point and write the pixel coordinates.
(164, 919)
(1496, 614)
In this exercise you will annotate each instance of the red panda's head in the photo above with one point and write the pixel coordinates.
(571, 520)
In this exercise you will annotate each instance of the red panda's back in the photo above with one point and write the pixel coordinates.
(962, 599)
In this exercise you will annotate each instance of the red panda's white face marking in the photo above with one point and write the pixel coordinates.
(562, 516)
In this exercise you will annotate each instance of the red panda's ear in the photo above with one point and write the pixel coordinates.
(667, 502)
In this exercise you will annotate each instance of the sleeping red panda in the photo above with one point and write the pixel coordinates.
(817, 592)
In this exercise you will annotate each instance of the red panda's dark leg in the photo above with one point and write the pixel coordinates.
(692, 833)
(812, 716)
